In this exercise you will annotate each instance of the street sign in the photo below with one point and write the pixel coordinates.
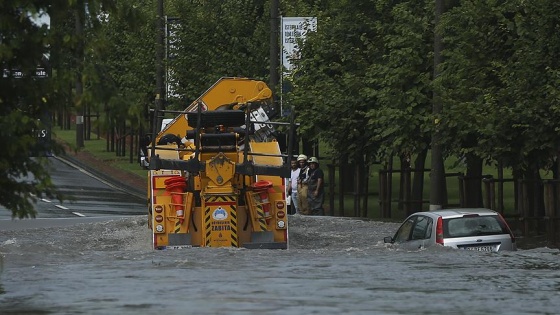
(40, 72)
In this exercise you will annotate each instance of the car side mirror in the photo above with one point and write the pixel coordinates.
(388, 239)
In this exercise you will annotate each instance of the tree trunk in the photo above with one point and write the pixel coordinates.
(357, 186)
(417, 194)
(535, 192)
(404, 193)
(342, 174)
(473, 182)
(366, 186)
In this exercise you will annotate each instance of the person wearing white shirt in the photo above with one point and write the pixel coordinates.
(292, 187)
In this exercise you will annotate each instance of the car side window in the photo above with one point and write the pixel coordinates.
(403, 234)
(422, 228)
(430, 228)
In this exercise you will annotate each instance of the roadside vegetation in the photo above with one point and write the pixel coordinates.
(97, 147)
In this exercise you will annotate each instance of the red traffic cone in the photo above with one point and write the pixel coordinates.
(176, 186)
(262, 187)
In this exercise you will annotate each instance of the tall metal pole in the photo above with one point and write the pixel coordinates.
(274, 44)
(160, 50)
(437, 176)
(79, 28)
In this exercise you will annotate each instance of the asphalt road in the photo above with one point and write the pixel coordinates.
(87, 196)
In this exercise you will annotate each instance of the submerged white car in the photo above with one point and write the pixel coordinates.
(468, 229)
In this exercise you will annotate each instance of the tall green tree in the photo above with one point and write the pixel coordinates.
(529, 79)
(330, 91)
(476, 43)
(24, 99)
(401, 82)
(498, 82)
(119, 64)
(373, 77)
(25, 44)
(218, 39)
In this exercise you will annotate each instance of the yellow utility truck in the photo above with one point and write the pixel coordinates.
(216, 171)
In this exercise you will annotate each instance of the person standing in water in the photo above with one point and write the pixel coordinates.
(315, 186)
(293, 187)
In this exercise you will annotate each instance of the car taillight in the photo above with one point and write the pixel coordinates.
(439, 231)
(507, 227)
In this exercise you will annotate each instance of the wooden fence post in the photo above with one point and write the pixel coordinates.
(332, 170)
(357, 187)
(382, 193)
(407, 188)
(366, 190)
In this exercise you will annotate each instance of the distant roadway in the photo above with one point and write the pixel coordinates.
(87, 198)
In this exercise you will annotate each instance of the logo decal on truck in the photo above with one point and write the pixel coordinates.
(220, 214)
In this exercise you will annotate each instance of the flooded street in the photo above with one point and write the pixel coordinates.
(333, 266)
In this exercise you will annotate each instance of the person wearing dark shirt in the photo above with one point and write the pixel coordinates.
(315, 187)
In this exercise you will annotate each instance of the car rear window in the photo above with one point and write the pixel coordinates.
(473, 226)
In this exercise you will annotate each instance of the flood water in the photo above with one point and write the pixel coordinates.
(333, 266)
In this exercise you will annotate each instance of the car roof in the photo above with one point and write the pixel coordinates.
(459, 212)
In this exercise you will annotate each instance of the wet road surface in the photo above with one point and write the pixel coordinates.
(333, 266)
(103, 264)
(85, 196)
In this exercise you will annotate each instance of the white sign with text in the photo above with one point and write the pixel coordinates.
(293, 29)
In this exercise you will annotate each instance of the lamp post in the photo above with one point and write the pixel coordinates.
(160, 50)
(274, 45)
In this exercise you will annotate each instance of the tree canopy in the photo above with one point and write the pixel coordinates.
(499, 81)
(24, 99)
(364, 84)
(28, 98)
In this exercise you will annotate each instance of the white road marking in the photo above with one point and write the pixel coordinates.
(46, 200)
(61, 207)
(78, 214)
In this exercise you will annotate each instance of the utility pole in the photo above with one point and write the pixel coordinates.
(79, 16)
(437, 176)
(274, 45)
(160, 88)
